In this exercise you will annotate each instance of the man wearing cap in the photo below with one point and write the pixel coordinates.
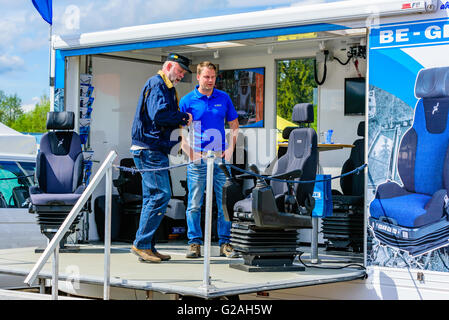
(210, 109)
(156, 117)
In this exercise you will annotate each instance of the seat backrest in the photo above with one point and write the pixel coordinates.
(59, 164)
(132, 182)
(423, 159)
(20, 195)
(3, 203)
(240, 154)
(302, 153)
(354, 184)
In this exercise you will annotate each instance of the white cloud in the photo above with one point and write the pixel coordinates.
(257, 3)
(309, 2)
(31, 44)
(30, 106)
(10, 63)
(103, 15)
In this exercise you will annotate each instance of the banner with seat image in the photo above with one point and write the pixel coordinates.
(408, 144)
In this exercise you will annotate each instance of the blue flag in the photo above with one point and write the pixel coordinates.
(45, 9)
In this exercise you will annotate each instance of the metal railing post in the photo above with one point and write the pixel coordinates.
(51, 247)
(107, 234)
(208, 218)
(314, 241)
(55, 276)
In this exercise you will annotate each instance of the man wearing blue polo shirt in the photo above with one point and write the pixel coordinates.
(210, 108)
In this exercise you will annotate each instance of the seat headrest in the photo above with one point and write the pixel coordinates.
(432, 83)
(64, 120)
(361, 129)
(302, 112)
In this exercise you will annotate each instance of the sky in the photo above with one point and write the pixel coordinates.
(25, 36)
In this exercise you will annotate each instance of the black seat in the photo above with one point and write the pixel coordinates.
(344, 229)
(59, 175)
(353, 185)
(3, 203)
(20, 196)
(264, 223)
(129, 187)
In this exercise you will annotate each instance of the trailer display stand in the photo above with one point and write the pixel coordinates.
(265, 250)
(178, 276)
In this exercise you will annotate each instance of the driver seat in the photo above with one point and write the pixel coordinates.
(59, 176)
(264, 228)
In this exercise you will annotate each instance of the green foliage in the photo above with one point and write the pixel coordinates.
(10, 108)
(295, 84)
(34, 120)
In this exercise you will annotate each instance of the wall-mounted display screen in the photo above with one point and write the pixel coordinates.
(355, 96)
(246, 89)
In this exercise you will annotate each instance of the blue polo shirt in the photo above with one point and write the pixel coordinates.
(209, 116)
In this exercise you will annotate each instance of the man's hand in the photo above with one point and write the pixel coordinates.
(189, 122)
(227, 154)
(194, 155)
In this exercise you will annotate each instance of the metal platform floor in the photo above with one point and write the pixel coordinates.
(179, 275)
(21, 295)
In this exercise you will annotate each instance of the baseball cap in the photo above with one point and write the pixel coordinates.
(183, 61)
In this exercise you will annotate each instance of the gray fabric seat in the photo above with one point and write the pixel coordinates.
(301, 154)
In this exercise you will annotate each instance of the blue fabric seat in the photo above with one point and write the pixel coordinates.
(59, 163)
(400, 206)
(59, 175)
(423, 164)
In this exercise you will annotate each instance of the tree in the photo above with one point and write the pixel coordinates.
(10, 108)
(295, 84)
(34, 120)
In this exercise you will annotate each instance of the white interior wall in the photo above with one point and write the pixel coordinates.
(72, 99)
(331, 115)
(117, 85)
(262, 141)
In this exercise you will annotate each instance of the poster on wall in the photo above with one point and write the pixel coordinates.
(408, 147)
(246, 89)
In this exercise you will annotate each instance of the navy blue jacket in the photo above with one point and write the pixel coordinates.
(157, 115)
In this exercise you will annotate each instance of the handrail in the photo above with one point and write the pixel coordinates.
(53, 246)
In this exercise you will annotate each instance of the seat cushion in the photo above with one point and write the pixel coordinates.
(42, 199)
(244, 205)
(405, 209)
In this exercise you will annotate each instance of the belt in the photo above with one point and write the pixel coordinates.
(217, 154)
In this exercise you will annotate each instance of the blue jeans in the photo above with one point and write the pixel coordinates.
(156, 193)
(196, 183)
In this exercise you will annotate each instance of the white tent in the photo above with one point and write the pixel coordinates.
(14, 142)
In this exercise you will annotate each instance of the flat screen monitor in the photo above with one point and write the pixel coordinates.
(354, 96)
(246, 89)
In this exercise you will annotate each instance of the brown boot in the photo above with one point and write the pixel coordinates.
(145, 255)
(163, 257)
(194, 251)
(226, 250)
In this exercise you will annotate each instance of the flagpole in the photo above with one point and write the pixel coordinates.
(50, 75)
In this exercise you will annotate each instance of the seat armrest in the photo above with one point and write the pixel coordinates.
(289, 175)
(80, 189)
(245, 176)
(119, 181)
(35, 190)
(390, 189)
